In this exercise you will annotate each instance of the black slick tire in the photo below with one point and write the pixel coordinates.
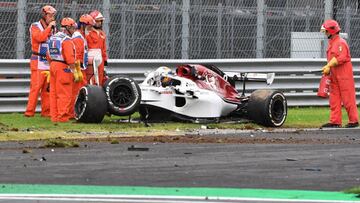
(123, 95)
(267, 107)
(90, 105)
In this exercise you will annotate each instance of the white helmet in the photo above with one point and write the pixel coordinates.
(163, 72)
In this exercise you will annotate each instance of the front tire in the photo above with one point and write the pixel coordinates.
(267, 107)
(123, 95)
(90, 105)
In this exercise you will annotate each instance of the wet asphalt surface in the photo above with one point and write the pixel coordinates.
(326, 160)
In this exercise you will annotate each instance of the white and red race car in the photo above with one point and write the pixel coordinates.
(193, 93)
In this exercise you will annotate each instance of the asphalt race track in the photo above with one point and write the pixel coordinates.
(325, 160)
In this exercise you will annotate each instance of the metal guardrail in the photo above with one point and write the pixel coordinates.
(292, 77)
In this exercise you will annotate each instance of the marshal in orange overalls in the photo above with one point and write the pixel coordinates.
(39, 34)
(62, 54)
(342, 85)
(96, 39)
(81, 50)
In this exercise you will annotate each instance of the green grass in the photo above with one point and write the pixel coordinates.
(354, 190)
(310, 117)
(15, 126)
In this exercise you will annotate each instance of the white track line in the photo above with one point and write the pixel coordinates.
(152, 198)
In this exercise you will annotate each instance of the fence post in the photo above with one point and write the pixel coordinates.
(329, 6)
(219, 23)
(172, 29)
(307, 20)
(232, 30)
(73, 9)
(348, 23)
(198, 37)
(185, 30)
(260, 29)
(20, 33)
(123, 31)
(106, 8)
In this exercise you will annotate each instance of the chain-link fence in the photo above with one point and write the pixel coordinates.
(174, 29)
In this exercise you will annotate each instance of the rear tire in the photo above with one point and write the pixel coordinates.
(267, 107)
(123, 95)
(90, 105)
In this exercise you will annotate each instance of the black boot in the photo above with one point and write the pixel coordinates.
(330, 125)
(352, 125)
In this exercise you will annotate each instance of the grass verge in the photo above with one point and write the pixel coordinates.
(354, 190)
(15, 126)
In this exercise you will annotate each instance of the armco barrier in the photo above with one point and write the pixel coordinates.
(292, 77)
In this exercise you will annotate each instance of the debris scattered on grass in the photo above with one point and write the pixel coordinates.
(133, 148)
(3, 128)
(160, 139)
(73, 131)
(59, 144)
(175, 138)
(26, 151)
(28, 129)
(248, 127)
(298, 131)
(310, 169)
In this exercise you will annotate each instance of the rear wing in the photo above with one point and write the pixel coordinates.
(256, 77)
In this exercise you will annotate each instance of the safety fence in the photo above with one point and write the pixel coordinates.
(185, 29)
(293, 77)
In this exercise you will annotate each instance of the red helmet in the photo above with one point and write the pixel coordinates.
(87, 19)
(48, 10)
(331, 26)
(68, 22)
(97, 15)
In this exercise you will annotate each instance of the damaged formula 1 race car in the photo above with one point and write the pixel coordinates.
(199, 93)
